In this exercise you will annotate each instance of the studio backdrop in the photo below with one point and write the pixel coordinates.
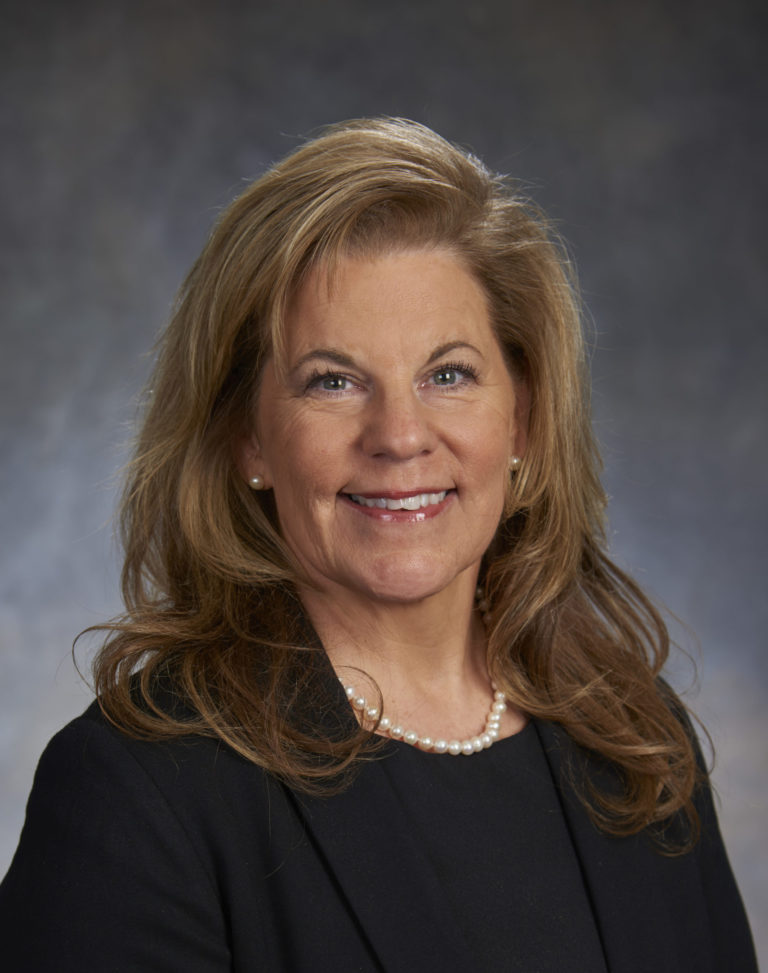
(639, 127)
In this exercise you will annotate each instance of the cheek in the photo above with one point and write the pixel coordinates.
(487, 442)
(304, 461)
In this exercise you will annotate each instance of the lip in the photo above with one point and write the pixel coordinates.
(399, 516)
(396, 494)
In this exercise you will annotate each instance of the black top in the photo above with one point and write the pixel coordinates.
(494, 831)
(181, 857)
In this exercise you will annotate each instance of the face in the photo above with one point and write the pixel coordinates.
(388, 438)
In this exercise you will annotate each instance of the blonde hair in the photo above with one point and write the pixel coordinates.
(209, 586)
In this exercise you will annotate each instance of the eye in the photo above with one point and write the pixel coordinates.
(327, 382)
(333, 383)
(453, 374)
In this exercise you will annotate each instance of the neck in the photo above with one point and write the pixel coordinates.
(437, 640)
(426, 659)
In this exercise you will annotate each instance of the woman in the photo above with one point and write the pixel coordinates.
(379, 700)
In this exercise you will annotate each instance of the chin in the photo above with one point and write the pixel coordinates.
(406, 582)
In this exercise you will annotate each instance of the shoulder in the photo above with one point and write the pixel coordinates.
(694, 894)
(93, 763)
(132, 841)
(96, 789)
(98, 754)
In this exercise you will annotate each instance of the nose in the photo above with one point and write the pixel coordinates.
(398, 425)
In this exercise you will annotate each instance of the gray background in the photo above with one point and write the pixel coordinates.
(641, 127)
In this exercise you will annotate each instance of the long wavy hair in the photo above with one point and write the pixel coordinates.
(213, 640)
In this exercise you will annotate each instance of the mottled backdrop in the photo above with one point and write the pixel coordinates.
(641, 127)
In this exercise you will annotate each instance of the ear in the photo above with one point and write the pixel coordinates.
(250, 461)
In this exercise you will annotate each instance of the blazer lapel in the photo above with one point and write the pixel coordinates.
(627, 880)
(387, 881)
(364, 835)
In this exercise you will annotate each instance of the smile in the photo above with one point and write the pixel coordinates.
(415, 502)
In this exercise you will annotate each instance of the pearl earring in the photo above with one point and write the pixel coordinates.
(514, 463)
(256, 482)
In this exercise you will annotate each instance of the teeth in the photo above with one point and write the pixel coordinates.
(415, 502)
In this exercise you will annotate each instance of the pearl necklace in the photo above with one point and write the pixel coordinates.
(396, 732)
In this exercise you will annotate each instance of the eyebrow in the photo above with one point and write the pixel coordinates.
(326, 354)
(345, 361)
(450, 346)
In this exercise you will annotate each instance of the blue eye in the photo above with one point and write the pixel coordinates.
(327, 382)
(447, 376)
(333, 383)
(453, 374)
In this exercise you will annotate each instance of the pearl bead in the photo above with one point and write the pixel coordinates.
(499, 706)
(396, 732)
(372, 713)
(384, 724)
(467, 747)
(426, 743)
(440, 746)
(454, 748)
(359, 702)
(411, 737)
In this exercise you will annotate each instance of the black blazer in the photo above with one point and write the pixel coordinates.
(181, 857)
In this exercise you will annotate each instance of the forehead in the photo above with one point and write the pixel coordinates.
(407, 296)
